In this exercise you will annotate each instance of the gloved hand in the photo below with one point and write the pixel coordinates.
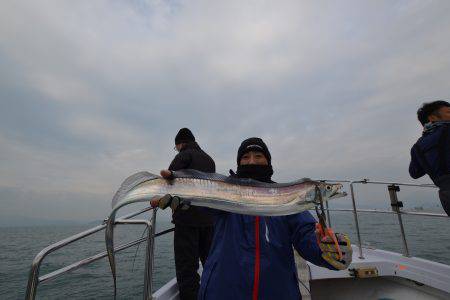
(330, 252)
(167, 200)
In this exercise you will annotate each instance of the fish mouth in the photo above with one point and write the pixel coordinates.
(334, 191)
(338, 195)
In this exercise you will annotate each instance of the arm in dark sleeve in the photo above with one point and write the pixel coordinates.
(415, 168)
(304, 240)
(181, 161)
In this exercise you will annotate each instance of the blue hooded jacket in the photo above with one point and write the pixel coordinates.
(431, 153)
(252, 257)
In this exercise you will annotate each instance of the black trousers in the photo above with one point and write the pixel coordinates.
(191, 244)
(444, 196)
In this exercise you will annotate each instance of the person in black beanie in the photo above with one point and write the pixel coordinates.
(193, 225)
(252, 257)
(184, 136)
(254, 160)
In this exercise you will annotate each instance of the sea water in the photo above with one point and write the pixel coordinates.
(427, 238)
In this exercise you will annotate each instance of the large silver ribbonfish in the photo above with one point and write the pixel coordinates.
(212, 190)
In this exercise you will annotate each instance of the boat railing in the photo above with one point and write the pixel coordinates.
(34, 279)
(393, 189)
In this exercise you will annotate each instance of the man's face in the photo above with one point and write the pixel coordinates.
(178, 147)
(442, 114)
(254, 158)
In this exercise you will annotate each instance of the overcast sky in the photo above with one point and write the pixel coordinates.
(93, 91)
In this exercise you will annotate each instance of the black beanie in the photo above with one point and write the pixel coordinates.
(253, 144)
(184, 135)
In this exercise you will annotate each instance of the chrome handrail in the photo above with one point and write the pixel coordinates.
(413, 213)
(87, 261)
(399, 183)
(34, 279)
(393, 189)
(96, 257)
(148, 253)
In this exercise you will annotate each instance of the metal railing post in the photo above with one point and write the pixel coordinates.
(149, 257)
(395, 204)
(147, 273)
(148, 269)
(33, 280)
(355, 215)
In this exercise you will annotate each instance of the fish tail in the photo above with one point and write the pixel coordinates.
(109, 239)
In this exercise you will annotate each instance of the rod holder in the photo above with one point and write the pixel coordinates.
(393, 189)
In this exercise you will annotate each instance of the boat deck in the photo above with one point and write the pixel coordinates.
(379, 275)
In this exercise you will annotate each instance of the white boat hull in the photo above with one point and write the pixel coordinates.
(397, 277)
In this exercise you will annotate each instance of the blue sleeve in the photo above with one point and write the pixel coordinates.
(303, 227)
(415, 168)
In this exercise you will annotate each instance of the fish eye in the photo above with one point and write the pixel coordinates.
(328, 188)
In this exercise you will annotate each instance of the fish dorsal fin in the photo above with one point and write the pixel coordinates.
(190, 173)
(130, 183)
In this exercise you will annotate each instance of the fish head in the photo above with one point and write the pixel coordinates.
(331, 191)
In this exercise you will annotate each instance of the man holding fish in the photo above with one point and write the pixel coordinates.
(251, 256)
(193, 225)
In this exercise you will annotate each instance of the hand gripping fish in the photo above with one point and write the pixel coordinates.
(212, 190)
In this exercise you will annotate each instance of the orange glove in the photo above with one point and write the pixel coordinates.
(336, 248)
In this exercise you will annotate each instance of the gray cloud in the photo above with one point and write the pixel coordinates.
(94, 91)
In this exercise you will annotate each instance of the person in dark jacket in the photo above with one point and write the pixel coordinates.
(193, 225)
(431, 153)
(251, 256)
